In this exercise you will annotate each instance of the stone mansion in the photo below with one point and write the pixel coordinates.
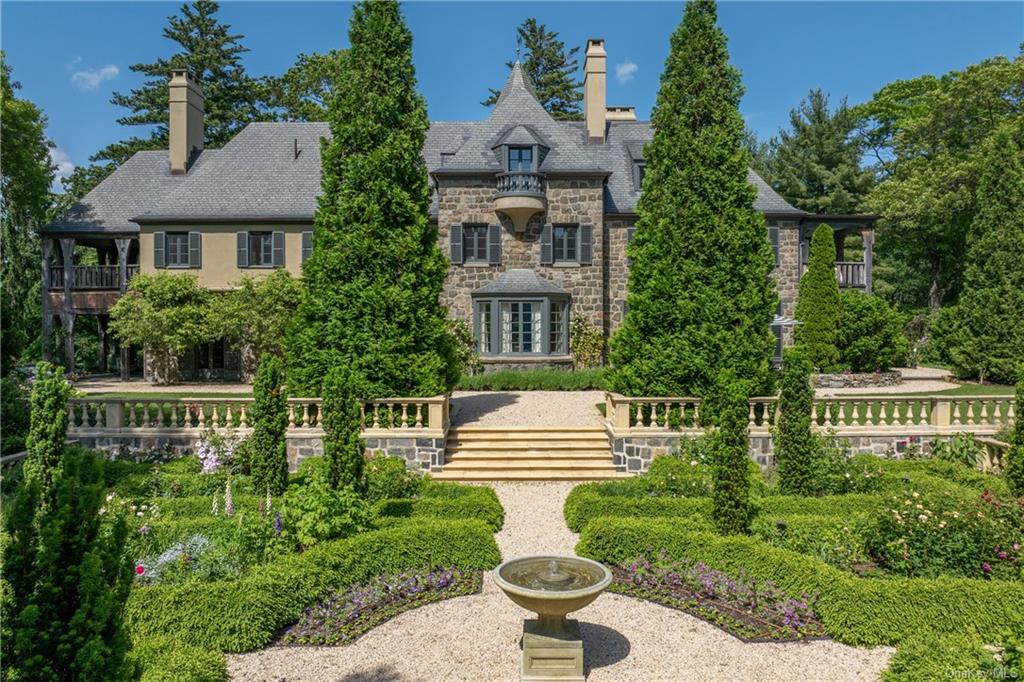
(534, 214)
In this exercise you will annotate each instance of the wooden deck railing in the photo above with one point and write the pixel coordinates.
(851, 274)
(90, 277)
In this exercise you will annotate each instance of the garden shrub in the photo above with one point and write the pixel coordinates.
(674, 476)
(835, 540)
(389, 477)
(48, 426)
(585, 503)
(241, 615)
(586, 343)
(465, 347)
(535, 380)
(315, 511)
(730, 490)
(266, 448)
(873, 474)
(817, 304)
(163, 659)
(14, 413)
(479, 503)
(961, 449)
(859, 611)
(1015, 455)
(342, 418)
(931, 656)
(796, 448)
(870, 333)
(202, 505)
(67, 578)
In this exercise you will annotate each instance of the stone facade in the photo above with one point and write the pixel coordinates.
(420, 454)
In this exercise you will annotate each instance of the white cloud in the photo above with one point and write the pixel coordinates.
(625, 71)
(89, 79)
(65, 167)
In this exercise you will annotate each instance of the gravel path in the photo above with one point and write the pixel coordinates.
(477, 637)
(526, 408)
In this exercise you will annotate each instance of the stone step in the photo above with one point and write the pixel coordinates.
(510, 454)
(529, 465)
(527, 444)
(529, 475)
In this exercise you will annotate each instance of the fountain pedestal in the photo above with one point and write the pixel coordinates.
(552, 655)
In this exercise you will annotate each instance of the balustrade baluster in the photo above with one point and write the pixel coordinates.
(419, 416)
(376, 415)
(971, 405)
(291, 416)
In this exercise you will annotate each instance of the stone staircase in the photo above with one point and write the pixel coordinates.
(511, 453)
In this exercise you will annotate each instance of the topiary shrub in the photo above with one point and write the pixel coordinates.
(730, 458)
(817, 305)
(1015, 455)
(586, 343)
(342, 418)
(48, 426)
(870, 334)
(266, 449)
(796, 448)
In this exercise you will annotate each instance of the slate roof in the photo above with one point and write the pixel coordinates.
(258, 176)
(520, 282)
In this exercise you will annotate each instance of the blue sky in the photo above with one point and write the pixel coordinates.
(70, 57)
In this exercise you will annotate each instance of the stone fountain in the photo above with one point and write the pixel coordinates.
(552, 587)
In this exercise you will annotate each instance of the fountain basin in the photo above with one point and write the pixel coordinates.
(552, 586)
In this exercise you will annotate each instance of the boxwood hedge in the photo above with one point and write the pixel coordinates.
(239, 615)
(479, 503)
(936, 657)
(163, 659)
(862, 611)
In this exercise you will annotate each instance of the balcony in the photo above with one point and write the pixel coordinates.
(90, 277)
(520, 195)
(851, 275)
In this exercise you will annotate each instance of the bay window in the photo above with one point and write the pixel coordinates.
(526, 326)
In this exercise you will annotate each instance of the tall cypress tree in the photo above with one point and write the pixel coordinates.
(211, 53)
(796, 449)
(268, 453)
(817, 304)
(730, 454)
(551, 69)
(701, 296)
(1015, 456)
(375, 275)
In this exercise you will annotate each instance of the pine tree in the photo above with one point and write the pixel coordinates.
(342, 415)
(817, 305)
(817, 164)
(26, 173)
(796, 448)
(701, 297)
(374, 278)
(730, 455)
(550, 68)
(267, 450)
(213, 55)
(1015, 455)
(991, 308)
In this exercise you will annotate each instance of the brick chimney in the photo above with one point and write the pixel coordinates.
(594, 89)
(185, 128)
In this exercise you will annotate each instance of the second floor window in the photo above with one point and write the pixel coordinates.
(564, 241)
(177, 249)
(520, 159)
(265, 249)
(474, 241)
(261, 249)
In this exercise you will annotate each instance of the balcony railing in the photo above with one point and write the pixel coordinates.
(851, 274)
(90, 277)
(519, 183)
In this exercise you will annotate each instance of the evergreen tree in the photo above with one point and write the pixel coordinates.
(991, 308)
(48, 426)
(701, 297)
(550, 68)
(342, 418)
(730, 455)
(817, 164)
(26, 173)
(374, 278)
(213, 55)
(796, 448)
(266, 447)
(1015, 455)
(817, 305)
(67, 580)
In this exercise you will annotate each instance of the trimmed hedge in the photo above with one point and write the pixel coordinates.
(482, 504)
(933, 657)
(854, 610)
(835, 540)
(927, 470)
(240, 615)
(163, 659)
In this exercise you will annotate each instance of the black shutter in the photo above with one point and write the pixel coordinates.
(242, 247)
(546, 252)
(494, 244)
(307, 245)
(629, 240)
(195, 249)
(586, 244)
(455, 243)
(278, 238)
(159, 259)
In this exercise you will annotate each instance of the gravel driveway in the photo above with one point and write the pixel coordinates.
(477, 637)
(526, 408)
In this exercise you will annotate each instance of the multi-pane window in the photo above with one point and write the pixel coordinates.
(556, 329)
(521, 325)
(520, 159)
(564, 241)
(176, 245)
(261, 249)
(514, 327)
(474, 243)
(485, 327)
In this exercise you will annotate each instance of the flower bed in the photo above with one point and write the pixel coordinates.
(745, 608)
(341, 618)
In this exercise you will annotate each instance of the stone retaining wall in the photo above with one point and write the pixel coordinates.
(850, 380)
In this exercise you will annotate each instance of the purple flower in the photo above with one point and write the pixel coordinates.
(277, 523)
(144, 529)
(986, 567)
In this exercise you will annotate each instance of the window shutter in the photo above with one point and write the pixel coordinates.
(242, 247)
(494, 244)
(195, 249)
(546, 252)
(629, 240)
(586, 244)
(278, 238)
(159, 260)
(307, 245)
(455, 243)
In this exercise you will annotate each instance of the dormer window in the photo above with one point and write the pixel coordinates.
(639, 168)
(520, 159)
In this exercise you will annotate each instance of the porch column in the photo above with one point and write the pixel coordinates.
(67, 315)
(868, 237)
(123, 244)
(47, 332)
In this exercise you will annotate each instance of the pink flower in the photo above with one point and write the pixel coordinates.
(1016, 547)
(985, 567)
(140, 569)
(1002, 555)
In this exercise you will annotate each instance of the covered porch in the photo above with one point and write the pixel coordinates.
(854, 238)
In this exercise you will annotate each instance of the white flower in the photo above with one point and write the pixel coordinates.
(915, 495)
(110, 497)
(693, 462)
(138, 513)
(923, 518)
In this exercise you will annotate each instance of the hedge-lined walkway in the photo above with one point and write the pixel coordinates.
(477, 638)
